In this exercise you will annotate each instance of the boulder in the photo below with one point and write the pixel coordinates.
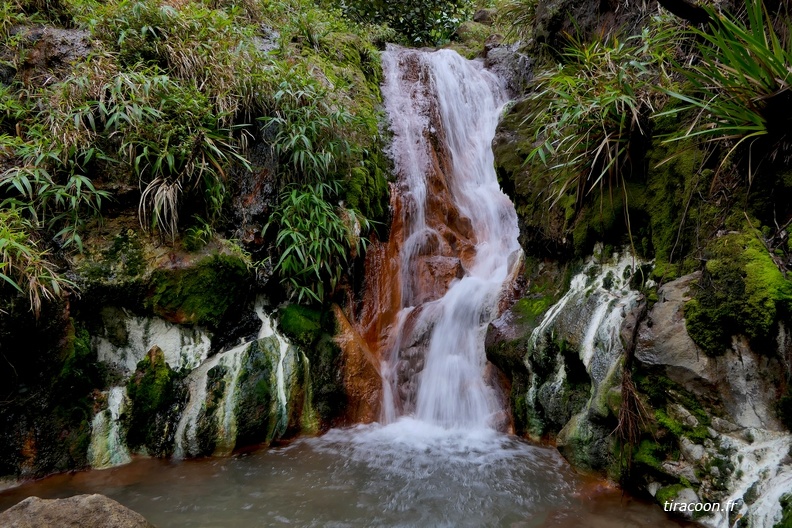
(80, 511)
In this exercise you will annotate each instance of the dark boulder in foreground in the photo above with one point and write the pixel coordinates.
(80, 511)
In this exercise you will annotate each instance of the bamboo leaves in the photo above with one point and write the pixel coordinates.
(315, 240)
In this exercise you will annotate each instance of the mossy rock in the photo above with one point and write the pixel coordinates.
(154, 395)
(469, 39)
(202, 294)
(255, 393)
(786, 512)
(741, 291)
(301, 324)
(668, 493)
(328, 392)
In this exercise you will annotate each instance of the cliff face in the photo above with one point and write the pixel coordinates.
(669, 368)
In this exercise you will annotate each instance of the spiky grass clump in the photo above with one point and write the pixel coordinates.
(24, 266)
(741, 86)
(315, 241)
(588, 114)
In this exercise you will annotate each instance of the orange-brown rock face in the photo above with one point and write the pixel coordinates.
(362, 379)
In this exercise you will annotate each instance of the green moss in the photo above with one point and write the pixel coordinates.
(72, 387)
(122, 262)
(660, 391)
(650, 453)
(668, 493)
(313, 331)
(201, 294)
(301, 324)
(529, 310)
(741, 291)
(786, 512)
(329, 394)
(152, 394)
(469, 39)
(697, 434)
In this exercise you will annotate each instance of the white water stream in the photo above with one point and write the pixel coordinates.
(452, 391)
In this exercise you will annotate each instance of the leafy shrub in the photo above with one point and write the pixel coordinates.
(24, 266)
(208, 48)
(417, 22)
(50, 188)
(519, 16)
(741, 84)
(588, 114)
(311, 136)
(315, 240)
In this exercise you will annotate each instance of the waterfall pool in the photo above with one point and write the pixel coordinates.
(407, 473)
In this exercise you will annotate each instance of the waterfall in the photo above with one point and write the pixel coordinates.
(459, 235)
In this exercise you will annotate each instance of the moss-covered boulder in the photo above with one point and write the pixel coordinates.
(313, 331)
(741, 291)
(202, 294)
(155, 396)
(256, 415)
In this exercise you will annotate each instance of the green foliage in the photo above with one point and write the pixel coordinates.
(315, 241)
(10, 16)
(741, 83)
(211, 49)
(651, 454)
(310, 134)
(588, 113)
(697, 434)
(198, 235)
(786, 513)
(416, 22)
(201, 294)
(47, 182)
(24, 265)
(519, 16)
(741, 291)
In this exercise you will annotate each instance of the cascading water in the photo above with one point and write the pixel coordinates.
(443, 112)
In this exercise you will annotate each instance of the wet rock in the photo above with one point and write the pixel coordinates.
(555, 18)
(680, 414)
(362, 379)
(433, 276)
(585, 444)
(52, 51)
(663, 340)
(687, 496)
(255, 190)
(509, 63)
(80, 511)
(741, 381)
(692, 452)
(485, 16)
(681, 470)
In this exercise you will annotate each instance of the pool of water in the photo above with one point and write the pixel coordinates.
(404, 474)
